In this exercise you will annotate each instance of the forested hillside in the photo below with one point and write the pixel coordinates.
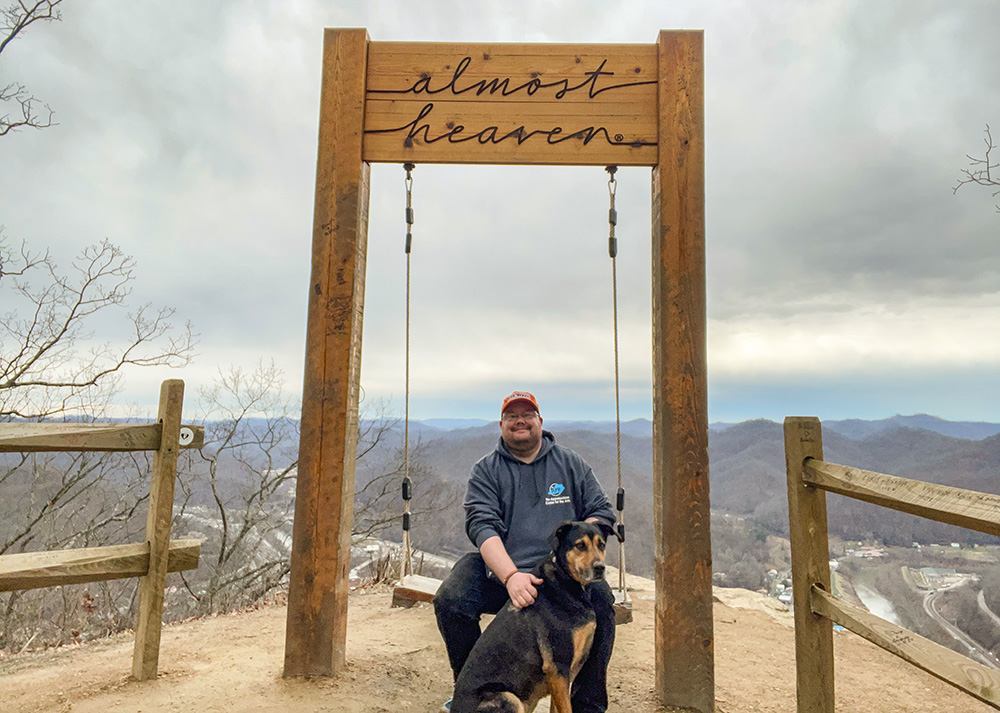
(747, 481)
(239, 499)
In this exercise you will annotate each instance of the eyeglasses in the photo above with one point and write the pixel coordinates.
(531, 416)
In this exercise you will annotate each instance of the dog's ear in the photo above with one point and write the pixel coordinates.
(606, 530)
(559, 534)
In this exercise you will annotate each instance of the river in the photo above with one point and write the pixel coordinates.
(876, 603)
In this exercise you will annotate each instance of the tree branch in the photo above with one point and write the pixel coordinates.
(17, 17)
(982, 173)
(14, 20)
(43, 369)
(26, 104)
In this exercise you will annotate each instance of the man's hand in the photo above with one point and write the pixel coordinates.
(521, 588)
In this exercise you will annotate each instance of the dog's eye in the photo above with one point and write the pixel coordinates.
(581, 545)
(600, 545)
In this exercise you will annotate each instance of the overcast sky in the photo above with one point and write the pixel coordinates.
(845, 279)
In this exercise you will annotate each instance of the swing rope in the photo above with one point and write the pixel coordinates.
(620, 499)
(407, 483)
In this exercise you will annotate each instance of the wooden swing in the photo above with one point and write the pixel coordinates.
(413, 588)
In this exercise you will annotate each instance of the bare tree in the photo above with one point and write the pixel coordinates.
(14, 20)
(52, 366)
(378, 504)
(982, 171)
(57, 501)
(238, 495)
(50, 363)
(61, 501)
(238, 492)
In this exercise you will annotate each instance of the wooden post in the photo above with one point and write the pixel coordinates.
(316, 631)
(146, 654)
(810, 565)
(685, 664)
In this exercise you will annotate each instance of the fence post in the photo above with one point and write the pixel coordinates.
(810, 565)
(146, 655)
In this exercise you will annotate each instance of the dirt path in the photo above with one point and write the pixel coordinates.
(396, 662)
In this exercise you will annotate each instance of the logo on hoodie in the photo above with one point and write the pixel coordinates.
(555, 495)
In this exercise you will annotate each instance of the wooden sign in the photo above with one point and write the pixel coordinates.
(511, 104)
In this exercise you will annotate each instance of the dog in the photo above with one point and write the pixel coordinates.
(526, 654)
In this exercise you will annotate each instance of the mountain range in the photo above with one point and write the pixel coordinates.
(747, 473)
(852, 428)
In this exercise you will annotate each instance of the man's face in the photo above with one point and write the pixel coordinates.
(521, 426)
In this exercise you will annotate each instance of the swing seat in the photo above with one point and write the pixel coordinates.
(623, 608)
(414, 588)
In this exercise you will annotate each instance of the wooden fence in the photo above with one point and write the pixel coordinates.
(150, 560)
(817, 609)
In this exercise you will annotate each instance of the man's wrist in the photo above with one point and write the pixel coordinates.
(507, 578)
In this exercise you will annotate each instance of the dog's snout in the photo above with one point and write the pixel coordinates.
(598, 570)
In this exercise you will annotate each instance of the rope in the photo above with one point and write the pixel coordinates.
(407, 483)
(620, 499)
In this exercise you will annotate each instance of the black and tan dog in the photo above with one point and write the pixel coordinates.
(526, 654)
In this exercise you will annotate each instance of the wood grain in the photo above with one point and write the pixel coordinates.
(36, 570)
(807, 526)
(955, 506)
(316, 631)
(949, 666)
(684, 636)
(146, 655)
(511, 103)
(77, 437)
(414, 588)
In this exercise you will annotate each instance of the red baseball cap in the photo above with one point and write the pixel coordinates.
(520, 396)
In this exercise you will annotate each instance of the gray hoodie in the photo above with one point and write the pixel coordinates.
(522, 503)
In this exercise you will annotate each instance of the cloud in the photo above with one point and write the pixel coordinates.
(835, 249)
(925, 334)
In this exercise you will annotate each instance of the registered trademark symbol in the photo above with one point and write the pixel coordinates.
(619, 138)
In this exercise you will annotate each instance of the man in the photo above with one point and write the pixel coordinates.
(517, 495)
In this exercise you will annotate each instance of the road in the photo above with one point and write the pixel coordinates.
(975, 651)
(986, 610)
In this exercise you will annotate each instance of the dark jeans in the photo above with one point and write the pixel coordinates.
(468, 593)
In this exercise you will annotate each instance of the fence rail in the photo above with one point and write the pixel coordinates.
(816, 609)
(149, 560)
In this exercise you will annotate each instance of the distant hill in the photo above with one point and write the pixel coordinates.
(746, 465)
(635, 427)
(747, 470)
(857, 428)
(448, 424)
(972, 430)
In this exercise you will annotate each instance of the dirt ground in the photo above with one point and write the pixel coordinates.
(396, 662)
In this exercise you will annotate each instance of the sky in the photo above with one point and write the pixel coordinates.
(845, 277)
